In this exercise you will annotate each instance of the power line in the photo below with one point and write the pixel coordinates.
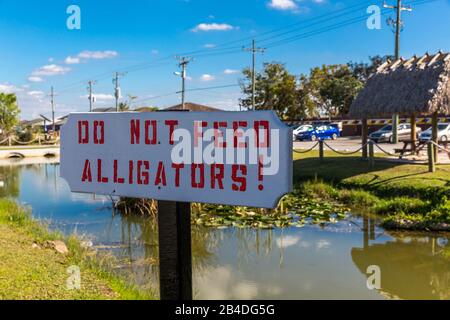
(254, 50)
(91, 96)
(117, 90)
(183, 63)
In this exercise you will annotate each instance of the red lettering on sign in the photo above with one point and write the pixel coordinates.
(265, 125)
(143, 176)
(83, 132)
(240, 181)
(130, 172)
(200, 184)
(153, 139)
(100, 178)
(87, 174)
(135, 131)
(198, 131)
(116, 173)
(238, 133)
(218, 134)
(217, 174)
(99, 126)
(172, 124)
(177, 168)
(161, 175)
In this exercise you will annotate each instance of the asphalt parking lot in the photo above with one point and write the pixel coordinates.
(346, 144)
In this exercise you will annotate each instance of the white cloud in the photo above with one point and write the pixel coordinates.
(35, 79)
(209, 46)
(98, 54)
(213, 27)
(50, 70)
(101, 96)
(9, 88)
(72, 60)
(283, 4)
(88, 55)
(230, 71)
(207, 77)
(37, 94)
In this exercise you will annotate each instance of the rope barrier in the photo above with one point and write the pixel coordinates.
(345, 153)
(384, 151)
(306, 151)
(43, 142)
(440, 147)
(24, 143)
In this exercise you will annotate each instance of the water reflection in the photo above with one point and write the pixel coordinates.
(412, 266)
(314, 262)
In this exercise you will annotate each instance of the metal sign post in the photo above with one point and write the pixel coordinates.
(175, 253)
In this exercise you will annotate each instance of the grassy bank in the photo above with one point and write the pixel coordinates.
(30, 269)
(407, 196)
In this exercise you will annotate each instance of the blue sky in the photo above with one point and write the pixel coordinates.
(142, 37)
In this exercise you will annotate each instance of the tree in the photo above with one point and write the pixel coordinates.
(276, 90)
(332, 88)
(362, 70)
(9, 112)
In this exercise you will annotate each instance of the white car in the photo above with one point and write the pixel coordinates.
(302, 128)
(443, 133)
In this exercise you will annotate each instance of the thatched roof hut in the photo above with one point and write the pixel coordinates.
(419, 85)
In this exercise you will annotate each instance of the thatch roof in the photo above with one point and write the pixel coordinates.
(192, 107)
(418, 85)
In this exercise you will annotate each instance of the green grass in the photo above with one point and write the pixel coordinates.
(405, 195)
(31, 273)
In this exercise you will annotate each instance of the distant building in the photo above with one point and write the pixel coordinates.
(192, 107)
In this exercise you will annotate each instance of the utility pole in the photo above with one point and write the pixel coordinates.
(117, 76)
(254, 50)
(52, 99)
(398, 25)
(183, 63)
(91, 97)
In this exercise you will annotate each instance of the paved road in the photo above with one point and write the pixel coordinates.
(346, 145)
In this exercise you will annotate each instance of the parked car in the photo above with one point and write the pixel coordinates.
(385, 134)
(303, 128)
(319, 133)
(443, 133)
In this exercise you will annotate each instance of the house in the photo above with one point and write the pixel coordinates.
(192, 107)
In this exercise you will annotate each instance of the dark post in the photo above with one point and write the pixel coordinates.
(365, 135)
(431, 161)
(175, 253)
(371, 154)
(413, 131)
(434, 135)
(321, 151)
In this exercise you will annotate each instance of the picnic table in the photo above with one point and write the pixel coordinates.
(415, 146)
(411, 146)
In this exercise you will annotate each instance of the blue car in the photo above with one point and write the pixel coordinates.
(321, 132)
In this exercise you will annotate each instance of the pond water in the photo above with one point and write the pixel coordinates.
(313, 262)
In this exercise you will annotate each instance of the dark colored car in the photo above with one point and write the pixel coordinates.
(321, 132)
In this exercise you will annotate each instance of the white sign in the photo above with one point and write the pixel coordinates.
(234, 158)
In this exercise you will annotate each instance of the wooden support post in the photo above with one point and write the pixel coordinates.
(431, 161)
(175, 251)
(321, 151)
(9, 141)
(371, 154)
(365, 232)
(413, 132)
(434, 135)
(365, 137)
